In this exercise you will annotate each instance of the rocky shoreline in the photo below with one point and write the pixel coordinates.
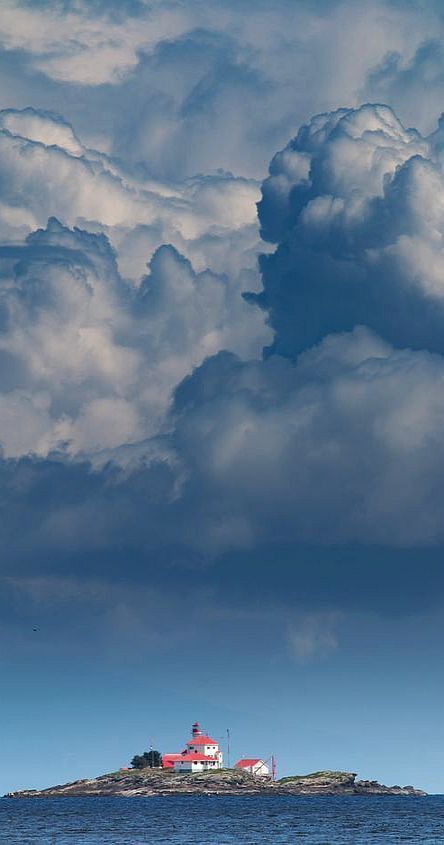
(151, 782)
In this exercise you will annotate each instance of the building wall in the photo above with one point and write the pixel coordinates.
(260, 769)
(195, 766)
(209, 751)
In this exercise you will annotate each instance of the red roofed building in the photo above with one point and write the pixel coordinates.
(201, 754)
(254, 766)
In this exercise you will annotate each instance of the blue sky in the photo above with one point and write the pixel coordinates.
(221, 384)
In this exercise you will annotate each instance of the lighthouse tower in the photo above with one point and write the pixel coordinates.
(201, 743)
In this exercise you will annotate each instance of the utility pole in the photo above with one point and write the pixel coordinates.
(273, 767)
(228, 749)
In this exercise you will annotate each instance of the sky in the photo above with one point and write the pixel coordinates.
(222, 384)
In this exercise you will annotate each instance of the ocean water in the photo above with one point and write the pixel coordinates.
(229, 820)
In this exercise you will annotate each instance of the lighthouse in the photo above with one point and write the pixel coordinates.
(202, 754)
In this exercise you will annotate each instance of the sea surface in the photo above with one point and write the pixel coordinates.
(228, 820)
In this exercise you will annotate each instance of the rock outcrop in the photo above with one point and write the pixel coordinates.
(339, 783)
(148, 782)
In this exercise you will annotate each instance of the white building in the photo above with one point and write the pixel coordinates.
(254, 766)
(195, 762)
(202, 754)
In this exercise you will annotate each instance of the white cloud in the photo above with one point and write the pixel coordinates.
(45, 171)
(313, 635)
(344, 446)
(339, 440)
(185, 88)
(92, 362)
(80, 45)
(48, 129)
(361, 237)
(105, 354)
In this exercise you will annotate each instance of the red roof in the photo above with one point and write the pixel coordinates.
(245, 764)
(201, 739)
(195, 756)
(169, 759)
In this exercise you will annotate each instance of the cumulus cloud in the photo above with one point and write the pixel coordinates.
(355, 201)
(178, 89)
(344, 446)
(90, 362)
(59, 36)
(46, 171)
(92, 348)
(333, 437)
(227, 68)
(180, 425)
(337, 440)
(40, 126)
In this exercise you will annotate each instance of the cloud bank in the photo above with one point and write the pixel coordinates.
(334, 436)
(186, 403)
(178, 89)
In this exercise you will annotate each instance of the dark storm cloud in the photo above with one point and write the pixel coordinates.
(354, 203)
(63, 521)
(321, 463)
(342, 444)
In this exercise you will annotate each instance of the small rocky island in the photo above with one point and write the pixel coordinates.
(150, 782)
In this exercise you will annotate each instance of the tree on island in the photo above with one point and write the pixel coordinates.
(148, 760)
